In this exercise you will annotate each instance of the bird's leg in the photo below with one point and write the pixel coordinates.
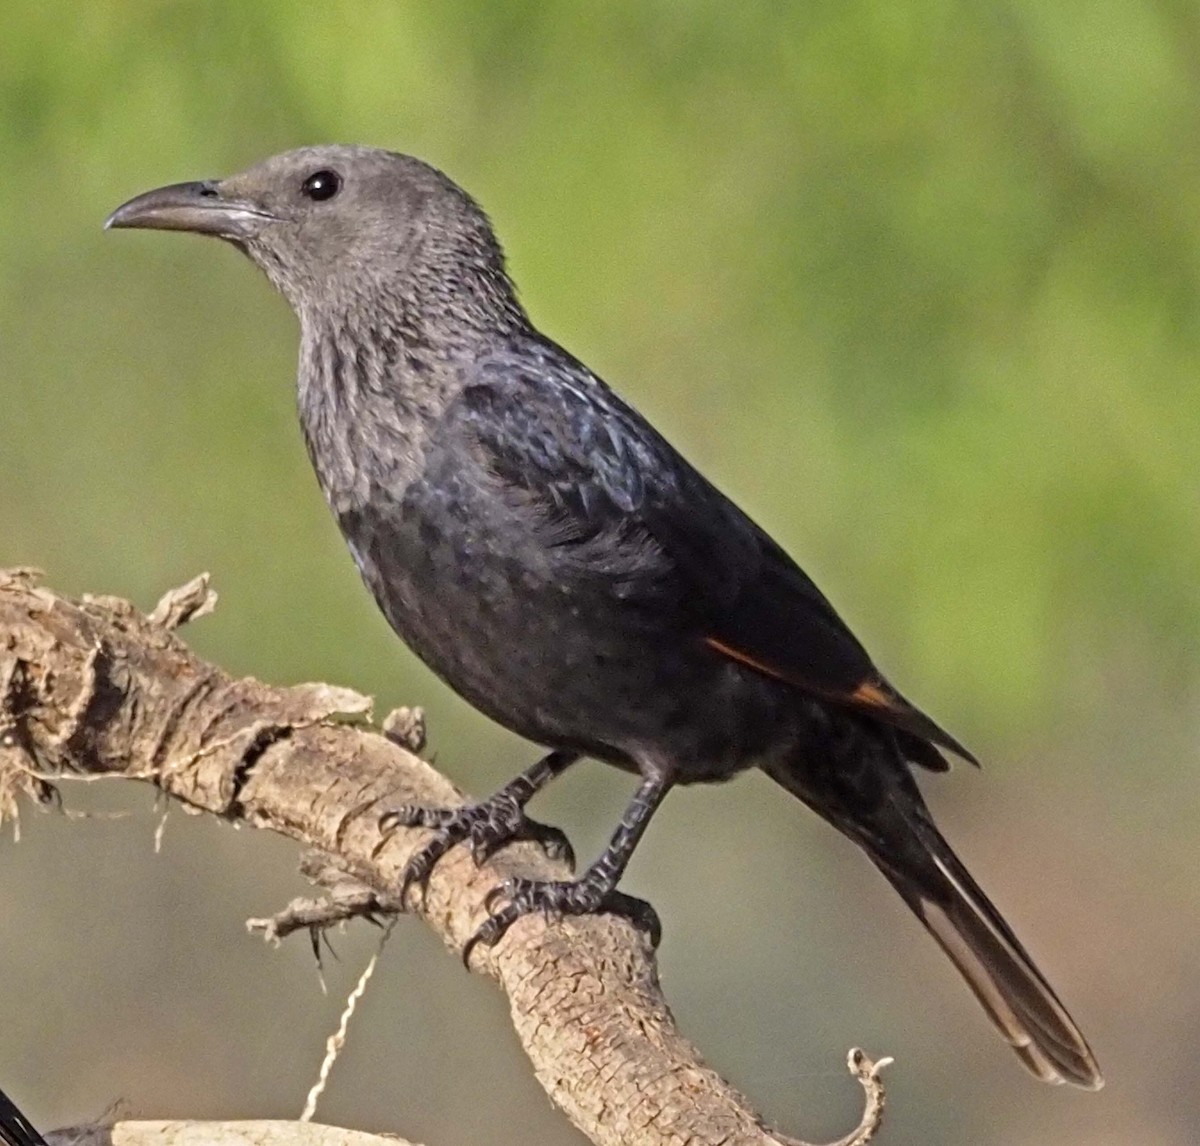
(595, 889)
(484, 826)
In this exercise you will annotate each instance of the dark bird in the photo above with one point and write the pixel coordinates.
(15, 1128)
(548, 554)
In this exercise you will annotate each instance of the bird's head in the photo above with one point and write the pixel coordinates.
(333, 224)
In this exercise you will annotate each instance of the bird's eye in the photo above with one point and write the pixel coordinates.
(322, 185)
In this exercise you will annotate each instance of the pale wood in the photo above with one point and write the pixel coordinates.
(94, 688)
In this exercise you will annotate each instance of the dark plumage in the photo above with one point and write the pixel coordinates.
(544, 550)
(15, 1128)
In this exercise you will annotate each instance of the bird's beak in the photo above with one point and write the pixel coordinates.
(197, 207)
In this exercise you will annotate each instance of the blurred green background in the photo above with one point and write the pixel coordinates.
(915, 281)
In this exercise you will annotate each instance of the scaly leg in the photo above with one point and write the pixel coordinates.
(484, 826)
(595, 889)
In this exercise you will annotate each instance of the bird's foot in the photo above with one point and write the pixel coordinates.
(484, 828)
(556, 898)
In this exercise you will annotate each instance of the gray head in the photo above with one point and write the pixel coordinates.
(335, 227)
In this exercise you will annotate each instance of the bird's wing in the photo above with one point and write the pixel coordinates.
(596, 470)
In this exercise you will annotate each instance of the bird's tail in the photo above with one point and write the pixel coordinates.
(934, 883)
(881, 810)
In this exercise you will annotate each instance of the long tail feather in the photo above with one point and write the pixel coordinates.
(1017, 998)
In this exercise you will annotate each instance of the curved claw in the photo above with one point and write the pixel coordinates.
(557, 898)
(502, 890)
(553, 841)
(491, 930)
(418, 869)
(640, 913)
(483, 827)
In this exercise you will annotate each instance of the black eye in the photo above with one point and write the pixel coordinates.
(322, 185)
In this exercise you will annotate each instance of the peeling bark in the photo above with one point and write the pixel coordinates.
(93, 687)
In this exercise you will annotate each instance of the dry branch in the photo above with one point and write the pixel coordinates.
(95, 688)
(265, 1133)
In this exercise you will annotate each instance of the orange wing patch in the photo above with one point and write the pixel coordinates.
(872, 694)
(868, 694)
(745, 659)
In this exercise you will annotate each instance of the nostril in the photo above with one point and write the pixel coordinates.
(208, 191)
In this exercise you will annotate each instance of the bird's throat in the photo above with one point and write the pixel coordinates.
(368, 396)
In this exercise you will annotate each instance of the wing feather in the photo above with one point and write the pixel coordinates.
(554, 434)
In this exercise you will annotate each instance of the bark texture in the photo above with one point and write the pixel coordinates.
(95, 687)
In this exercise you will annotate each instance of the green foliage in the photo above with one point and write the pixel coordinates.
(917, 283)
